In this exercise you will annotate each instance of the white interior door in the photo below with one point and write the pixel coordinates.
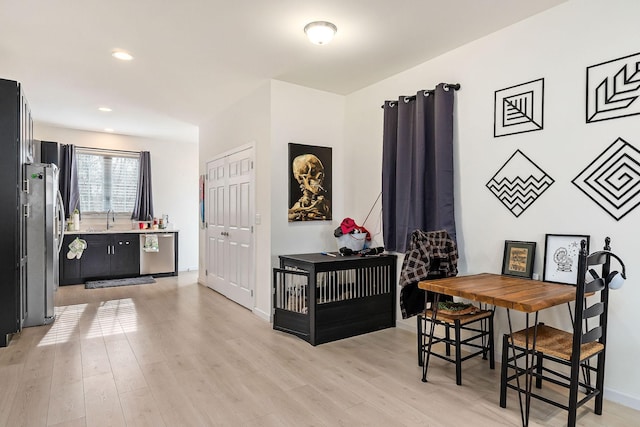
(216, 195)
(239, 228)
(230, 230)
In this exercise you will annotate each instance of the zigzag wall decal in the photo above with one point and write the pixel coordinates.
(519, 183)
(613, 89)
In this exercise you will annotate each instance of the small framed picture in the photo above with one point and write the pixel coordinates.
(561, 257)
(518, 258)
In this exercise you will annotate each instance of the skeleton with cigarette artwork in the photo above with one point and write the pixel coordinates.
(312, 205)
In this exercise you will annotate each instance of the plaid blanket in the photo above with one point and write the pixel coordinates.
(431, 255)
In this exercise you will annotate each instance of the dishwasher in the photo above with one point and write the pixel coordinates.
(164, 260)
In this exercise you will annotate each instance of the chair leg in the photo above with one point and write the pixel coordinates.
(485, 347)
(600, 384)
(573, 392)
(458, 352)
(492, 358)
(539, 370)
(503, 371)
(447, 336)
(428, 345)
(420, 340)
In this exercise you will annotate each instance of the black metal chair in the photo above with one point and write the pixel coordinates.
(565, 349)
(477, 326)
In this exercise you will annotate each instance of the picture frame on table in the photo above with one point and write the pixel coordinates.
(561, 257)
(518, 258)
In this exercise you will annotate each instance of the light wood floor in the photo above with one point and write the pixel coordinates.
(175, 353)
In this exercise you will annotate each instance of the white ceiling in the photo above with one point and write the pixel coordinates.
(194, 57)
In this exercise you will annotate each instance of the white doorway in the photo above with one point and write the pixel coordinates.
(230, 238)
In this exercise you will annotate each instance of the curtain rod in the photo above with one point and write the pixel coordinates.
(108, 149)
(446, 86)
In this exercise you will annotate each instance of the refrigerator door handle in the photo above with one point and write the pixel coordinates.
(61, 220)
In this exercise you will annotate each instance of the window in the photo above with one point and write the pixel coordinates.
(107, 179)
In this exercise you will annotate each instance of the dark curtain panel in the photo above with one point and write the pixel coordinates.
(143, 209)
(68, 180)
(417, 166)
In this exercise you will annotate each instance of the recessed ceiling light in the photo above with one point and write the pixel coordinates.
(108, 130)
(320, 32)
(105, 109)
(122, 55)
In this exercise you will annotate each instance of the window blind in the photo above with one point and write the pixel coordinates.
(107, 180)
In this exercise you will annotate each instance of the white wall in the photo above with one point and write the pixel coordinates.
(311, 117)
(271, 117)
(174, 173)
(557, 45)
(245, 122)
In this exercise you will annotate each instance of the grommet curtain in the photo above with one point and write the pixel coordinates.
(417, 166)
(68, 179)
(143, 209)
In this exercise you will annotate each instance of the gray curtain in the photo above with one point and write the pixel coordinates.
(143, 209)
(417, 166)
(68, 179)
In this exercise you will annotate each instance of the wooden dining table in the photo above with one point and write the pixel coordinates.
(513, 293)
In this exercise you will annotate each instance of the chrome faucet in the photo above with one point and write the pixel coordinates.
(113, 217)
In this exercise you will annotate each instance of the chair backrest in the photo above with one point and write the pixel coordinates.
(596, 331)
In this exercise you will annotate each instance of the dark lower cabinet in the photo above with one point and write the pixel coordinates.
(106, 256)
(69, 268)
(125, 255)
(96, 258)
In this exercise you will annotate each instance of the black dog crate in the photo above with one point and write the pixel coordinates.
(320, 298)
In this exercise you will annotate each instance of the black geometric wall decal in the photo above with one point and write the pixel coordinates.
(612, 180)
(613, 88)
(519, 108)
(518, 183)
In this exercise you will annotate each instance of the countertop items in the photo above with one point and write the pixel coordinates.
(116, 231)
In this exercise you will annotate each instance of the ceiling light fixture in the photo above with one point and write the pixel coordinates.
(123, 55)
(105, 109)
(108, 130)
(320, 32)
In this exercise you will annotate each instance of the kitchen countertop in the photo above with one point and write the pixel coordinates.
(117, 231)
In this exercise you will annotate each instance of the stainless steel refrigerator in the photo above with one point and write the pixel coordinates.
(45, 231)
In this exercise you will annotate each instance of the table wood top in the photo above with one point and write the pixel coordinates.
(503, 291)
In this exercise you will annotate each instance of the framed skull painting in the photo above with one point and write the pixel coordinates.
(309, 183)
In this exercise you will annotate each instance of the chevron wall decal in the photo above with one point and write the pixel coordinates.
(519, 108)
(613, 89)
(519, 183)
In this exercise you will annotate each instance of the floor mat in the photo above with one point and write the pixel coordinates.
(94, 284)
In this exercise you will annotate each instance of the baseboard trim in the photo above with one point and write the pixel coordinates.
(622, 398)
(262, 314)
